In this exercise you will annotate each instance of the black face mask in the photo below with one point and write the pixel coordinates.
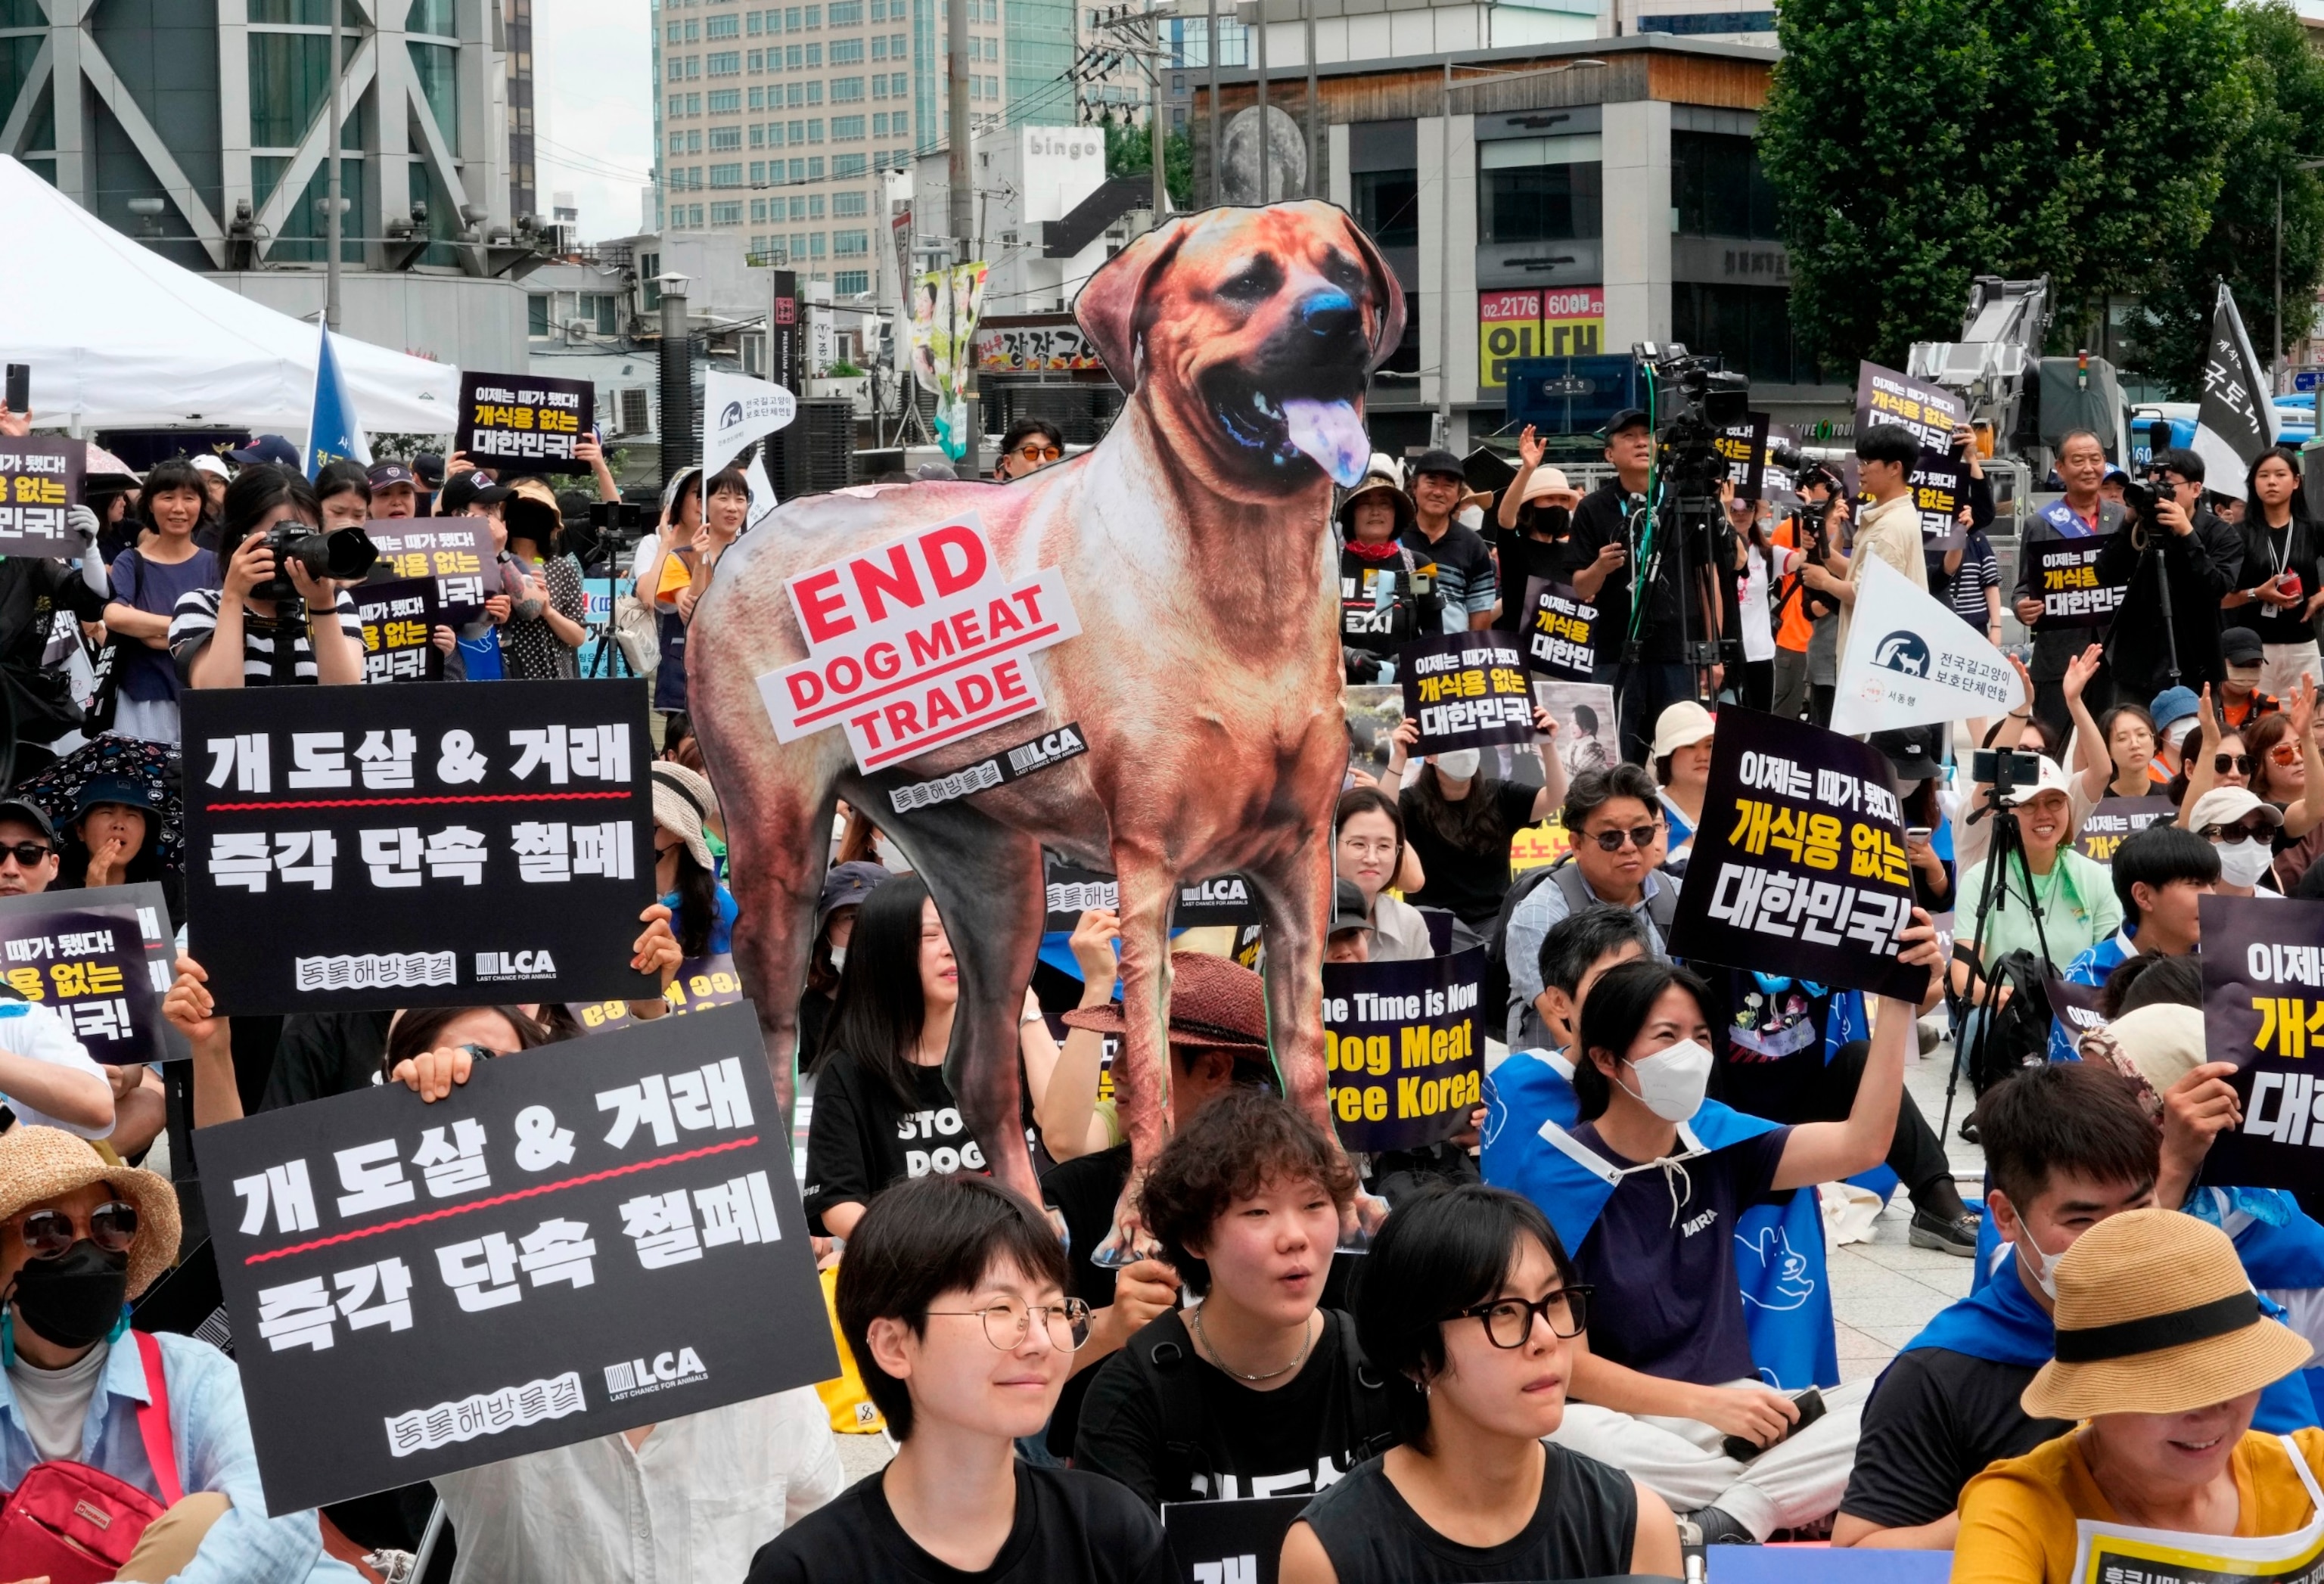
(1550, 522)
(74, 1299)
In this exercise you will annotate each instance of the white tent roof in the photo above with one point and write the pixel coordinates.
(119, 337)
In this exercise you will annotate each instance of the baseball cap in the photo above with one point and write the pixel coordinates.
(212, 464)
(461, 488)
(488, 494)
(2049, 779)
(1681, 725)
(1624, 420)
(1440, 461)
(1348, 911)
(430, 469)
(388, 474)
(272, 448)
(31, 813)
(2240, 645)
(845, 886)
(2171, 705)
(1908, 754)
(2226, 806)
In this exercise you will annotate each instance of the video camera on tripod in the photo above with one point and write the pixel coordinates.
(1693, 401)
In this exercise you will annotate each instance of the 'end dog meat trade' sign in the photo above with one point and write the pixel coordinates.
(919, 643)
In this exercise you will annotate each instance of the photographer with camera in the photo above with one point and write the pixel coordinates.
(1807, 651)
(2081, 466)
(1600, 552)
(1890, 528)
(279, 618)
(2181, 563)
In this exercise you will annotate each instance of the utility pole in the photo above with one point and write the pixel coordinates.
(1314, 153)
(331, 201)
(1266, 180)
(1155, 137)
(1211, 46)
(961, 220)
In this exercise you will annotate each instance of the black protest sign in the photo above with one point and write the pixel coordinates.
(1241, 1541)
(1939, 487)
(398, 625)
(102, 960)
(1884, 396)
(700, 984)
(1037, 753)
(1744, 446)
(454, 551)
(531, 420)
(1404, 1048)
(39, 479)
(2114, 820)
(1560, 632)
(2080, 1007)
(1073, 890)
(2066, 577)
(434, 844)
(1466, 690)
(2264, 1010)
(1798, 860)
(579, 1241)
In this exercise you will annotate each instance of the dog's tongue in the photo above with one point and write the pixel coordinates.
(1331, 433)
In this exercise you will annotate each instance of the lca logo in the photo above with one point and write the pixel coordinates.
(492, 965)
(635, 1376)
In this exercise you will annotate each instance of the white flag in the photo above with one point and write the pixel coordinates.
(735, 412)
(1912, 662)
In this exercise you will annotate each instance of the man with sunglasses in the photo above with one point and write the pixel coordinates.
(1030, 445)
(1614, 817)
(2242, 826)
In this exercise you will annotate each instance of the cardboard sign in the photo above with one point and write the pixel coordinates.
(1885, 396)
(702, 983)
(1466, 689)
(1939, 487)
(1798, 860)
(2263, 1009)
(920, 643)
(102, 959)
(2113, 820)
(579, 1240)
(1214, 1541)
(532, 419)
(434, 844)
(457, 552)
(398, 625)
(1745, 448)
(40, 478)
(1073, 890)
(1405, 1048)
(2066, 577)
(1560, 632)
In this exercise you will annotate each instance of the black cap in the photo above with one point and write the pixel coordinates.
(386, 475)
(31, 813)
(1909, 754)
(2241, 645)
(488, 494)
(452, 499)
(1348, 910)
(1624, 420)
(268, 448)
(429, 468)
(1440, 461)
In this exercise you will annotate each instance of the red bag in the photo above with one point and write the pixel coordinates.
(78, 1525)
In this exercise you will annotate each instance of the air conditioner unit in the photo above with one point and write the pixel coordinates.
(578, 330)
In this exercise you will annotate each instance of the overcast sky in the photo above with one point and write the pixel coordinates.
(594, 63)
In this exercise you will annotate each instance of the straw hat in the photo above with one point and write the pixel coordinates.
(41, 1164)
(1214, 1004)
(2162, 1041)
(683, 800)
(2156, 1315)
(1376, 482)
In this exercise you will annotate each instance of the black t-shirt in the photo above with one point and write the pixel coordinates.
(1521, 559)
(861, 1137)
(1602, 518)
(1673, 1285)
(323, 1053)
(1250, 1443)
(1771, 1045)
(1465, 882)
(1464, 570)
(1085, 1191)
(2268, 550)
(1583, 1527)
(1935, 1419)
(1070, 1528)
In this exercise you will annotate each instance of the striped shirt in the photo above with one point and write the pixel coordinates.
(196, 618)
(1980, 570)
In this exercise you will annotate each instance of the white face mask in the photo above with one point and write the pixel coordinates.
(2241, 864)
(1461, 764)
(2176, 733)
(838, 958)
(1672, 1081)
(2044, 1265)
(1472, 517)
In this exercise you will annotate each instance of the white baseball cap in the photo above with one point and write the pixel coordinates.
(2227, 805)
(2051, 779)
(1681, 725)
(210, 463)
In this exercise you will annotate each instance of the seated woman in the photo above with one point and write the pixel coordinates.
(1258, 1390)
(2162, 1350)
(1466, 1306)
(1369, 850)
(114, 840)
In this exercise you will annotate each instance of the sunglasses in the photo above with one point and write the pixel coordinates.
(2236, 835)
(25, 854)
(1639, 836)
(2242, 763)
(2283, 753)
(1034, 451)
(112, 1227)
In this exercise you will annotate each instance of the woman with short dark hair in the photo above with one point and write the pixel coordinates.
(148, 579)
(231, 637)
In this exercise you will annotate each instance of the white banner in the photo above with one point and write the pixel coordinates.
(1911, 661)
(737, 410)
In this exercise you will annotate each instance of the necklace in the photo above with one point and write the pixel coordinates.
(1306, 1345)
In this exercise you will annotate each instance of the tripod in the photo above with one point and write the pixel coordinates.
(2154, 550)
(2008, 842)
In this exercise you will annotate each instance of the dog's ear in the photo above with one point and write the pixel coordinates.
(1111, 302)
(1388, 293)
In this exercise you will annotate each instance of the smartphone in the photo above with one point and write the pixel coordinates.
(1918, 833)
(1810, 1404)
(20, 387)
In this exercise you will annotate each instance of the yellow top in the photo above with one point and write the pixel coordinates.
(2017, 1517)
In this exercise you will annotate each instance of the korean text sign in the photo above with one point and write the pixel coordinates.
(1745, 448)
(2264, 1010)
(432, 844)
(579, 1240)
(2066, 577)
(700, 984)
(1071, 891)
(398, 625)
(1798, 860)
(529, 418)
(1231, 1539)
(102, 959)
(1885, 396)
(920, 643)
(1560, 632)
(1466, 689)
(39, 477)
(455, 551)
(1939, 487)
(1405, 1053)
(2114, 820)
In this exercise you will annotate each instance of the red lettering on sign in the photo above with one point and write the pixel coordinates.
(1012, 686)
(968, 629)
(882, 661)
(941, 546)
(929, 646)
(823, 606)
(1000, 619)
(876, 585)
(903, 720)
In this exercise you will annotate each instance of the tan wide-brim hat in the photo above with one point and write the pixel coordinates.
(682, 803)
(41, 1164)
(2163, 1041)
(2156, 1315)
(1549, 484)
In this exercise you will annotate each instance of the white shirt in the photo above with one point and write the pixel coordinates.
(37, 1034)
(1758, 629)
(694, 1503)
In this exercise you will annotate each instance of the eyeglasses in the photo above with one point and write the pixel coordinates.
(1508, 1321)
(1008, 1323)
(112, 1227)
(2283, 753)
(2221, 763)
(2237, 835)
(25, 854)
(1639, 836)
(1034, 451)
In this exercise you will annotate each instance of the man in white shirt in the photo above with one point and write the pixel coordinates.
(46, 1076)
(1889, 529)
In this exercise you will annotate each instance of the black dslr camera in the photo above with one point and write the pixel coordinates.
(346, 554)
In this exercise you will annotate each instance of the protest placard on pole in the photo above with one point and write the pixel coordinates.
(532, 420)
(399, 620)
(577, 1242)
(1939, 487)
(2066, 577)
(39, 479)
(2114, 820)
(102, 958)
(1560, 632)
(1404, 1048)
(1466, 690)
(1911, 662)
(1800, 853)
(2263, 962)
(1928, 409)
(453, 551)
(432, 844)
(1243, 1541)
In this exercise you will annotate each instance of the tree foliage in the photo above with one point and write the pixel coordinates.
(1126, 154)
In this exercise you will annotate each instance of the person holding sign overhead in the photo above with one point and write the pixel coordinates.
(1459, 820)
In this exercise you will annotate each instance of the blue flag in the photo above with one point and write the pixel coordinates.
(334, 432)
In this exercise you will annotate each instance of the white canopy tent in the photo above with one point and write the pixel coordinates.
(119, 337)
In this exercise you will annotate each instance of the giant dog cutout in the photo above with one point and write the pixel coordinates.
(1192, 542)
